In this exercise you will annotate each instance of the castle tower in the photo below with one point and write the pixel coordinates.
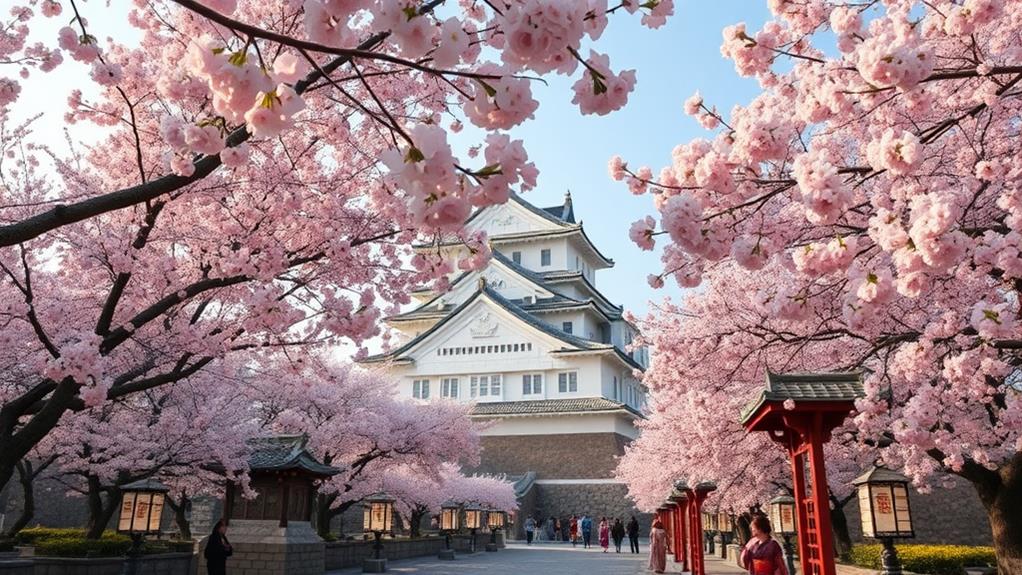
(539, 351)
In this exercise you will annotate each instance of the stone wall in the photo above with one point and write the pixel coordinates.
(341, 554)
(264, 548)
(164, 564)
(568, 456)
(597, 500)
(953, 515)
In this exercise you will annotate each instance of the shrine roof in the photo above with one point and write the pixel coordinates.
(285, 453)
(551, 406)
(807, 387)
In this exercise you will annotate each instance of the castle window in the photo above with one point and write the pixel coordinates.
(532, 384)
(516, 347)
(516, 257)
(567, 327)
(544, 258)
(420, 389)
(567, 381)
(449, 387)
(528, 346)
(485, 385)
(617, 389)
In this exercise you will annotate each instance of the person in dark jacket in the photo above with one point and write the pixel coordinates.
(617, 533)
(218, 549)
(633, 534)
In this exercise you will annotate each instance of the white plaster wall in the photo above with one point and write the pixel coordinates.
(563, 424)
(531, 253)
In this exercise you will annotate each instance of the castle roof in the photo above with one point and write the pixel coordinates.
(572, 342)
(567, 406)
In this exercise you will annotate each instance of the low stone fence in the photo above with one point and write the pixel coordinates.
(341, 554)
(162, 564)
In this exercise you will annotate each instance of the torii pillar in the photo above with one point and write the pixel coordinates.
(670, 522)
(696, 495)
(680, 501)
(822, 401)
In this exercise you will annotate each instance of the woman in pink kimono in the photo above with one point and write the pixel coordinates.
(604, 534)
(657, 548)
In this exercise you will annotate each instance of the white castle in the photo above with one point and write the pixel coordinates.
(540, 352)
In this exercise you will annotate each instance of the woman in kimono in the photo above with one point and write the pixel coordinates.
(657, 548)
(604, 534)
(762, 555)
(573, 530)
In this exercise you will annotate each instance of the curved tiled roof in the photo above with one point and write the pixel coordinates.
(284, 453)
(548, 406)
(834, 386)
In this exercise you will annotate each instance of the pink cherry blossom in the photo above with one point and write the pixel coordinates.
(600, 91)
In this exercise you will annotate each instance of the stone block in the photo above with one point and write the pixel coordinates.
(446, 554)
(374, 565)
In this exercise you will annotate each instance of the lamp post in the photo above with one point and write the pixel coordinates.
(495, 521)
(782, 519)
(449, 514)
(377, 518)
(141, 512)
(885, 512)
(473, 521)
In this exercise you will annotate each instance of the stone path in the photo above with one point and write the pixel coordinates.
(540, 559)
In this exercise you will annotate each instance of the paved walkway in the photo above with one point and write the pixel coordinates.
(540, 559)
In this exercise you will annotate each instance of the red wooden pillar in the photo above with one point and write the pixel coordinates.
(696, 496)
(684, 535)
(816, 404)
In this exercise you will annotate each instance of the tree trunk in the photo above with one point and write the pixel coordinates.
(180, 515)
(415, 522)
(100, 509)
(25, 477)
(323, 515)
(1001, 494)
(839, 523)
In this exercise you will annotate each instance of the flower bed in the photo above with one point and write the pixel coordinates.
(928, 559)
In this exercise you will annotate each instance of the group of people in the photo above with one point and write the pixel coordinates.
(578, 529)
(761, 555)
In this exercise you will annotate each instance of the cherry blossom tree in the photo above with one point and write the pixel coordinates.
(356, 422)
(187, 436)
(255, 174)
(419, 495)
(863, 211)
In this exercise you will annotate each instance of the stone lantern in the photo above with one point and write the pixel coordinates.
(450, 512)
(474, 517)
(377, 518)
(885, 512)
(495, 521)
(141, 513)
(782, 519)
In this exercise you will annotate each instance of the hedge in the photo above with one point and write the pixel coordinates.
(928, 559)
(52, 542)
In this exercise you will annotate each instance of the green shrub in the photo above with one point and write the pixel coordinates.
(78, 546)
(32, 534)
(928, 559)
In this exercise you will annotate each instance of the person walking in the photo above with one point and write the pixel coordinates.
(551, 529)
(573, 530)
(218, 549)
(587, 530)
(657, 547)
(530, 530)
(633, 534)
(762, 555)
(604, 534)
(564, 529)
(617, 532)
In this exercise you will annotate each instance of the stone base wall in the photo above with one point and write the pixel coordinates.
(264, 548)
(164, 564)
(562, 456)
(341, 554)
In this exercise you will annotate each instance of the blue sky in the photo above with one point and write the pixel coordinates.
(571, 150)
